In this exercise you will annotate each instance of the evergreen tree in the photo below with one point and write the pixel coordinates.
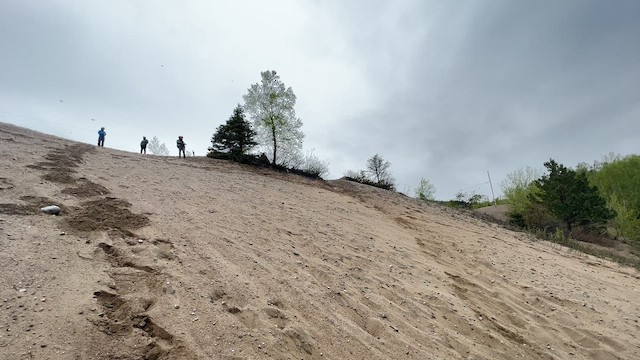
(568, 196)
(236, 136)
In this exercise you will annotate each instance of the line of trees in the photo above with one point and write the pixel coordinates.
(275, 128)
(277, 132)
(266, 131)
(588, 198)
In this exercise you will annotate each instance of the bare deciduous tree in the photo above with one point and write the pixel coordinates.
(272, 107)
(378, 168)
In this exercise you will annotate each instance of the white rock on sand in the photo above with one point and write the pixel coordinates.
(53, 210)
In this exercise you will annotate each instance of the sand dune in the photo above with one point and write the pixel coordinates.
(167, 258)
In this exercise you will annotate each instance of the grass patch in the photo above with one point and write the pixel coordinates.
(558, 237)
(597, 252)
(365, 181)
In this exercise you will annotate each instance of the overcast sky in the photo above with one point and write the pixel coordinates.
(444, 90)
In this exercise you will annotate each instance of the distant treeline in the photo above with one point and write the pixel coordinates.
(602, 199)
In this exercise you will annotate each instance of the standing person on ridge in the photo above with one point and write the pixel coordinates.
(143, 145)
(181, 146)
(101, 135)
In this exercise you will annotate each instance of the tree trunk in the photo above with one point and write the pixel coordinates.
(275, 144)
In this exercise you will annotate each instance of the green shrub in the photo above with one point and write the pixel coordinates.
(519, 188)
(363, 180)
(618, 181)
(259, 160)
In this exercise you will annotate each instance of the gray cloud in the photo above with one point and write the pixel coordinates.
(443, 90)
(509, 84)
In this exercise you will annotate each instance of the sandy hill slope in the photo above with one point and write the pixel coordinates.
(167, 258)
(497, 212)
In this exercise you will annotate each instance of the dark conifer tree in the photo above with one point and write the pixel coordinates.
(235, 137)
(568, 196)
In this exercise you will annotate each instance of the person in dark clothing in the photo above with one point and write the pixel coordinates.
(181, 146)
(143, 145)
(101, 135)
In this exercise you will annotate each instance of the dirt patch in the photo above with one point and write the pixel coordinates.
(105, 215)
(60, 168)
(117, 313)
(117, 259)
(38, 202)
(16, 209)
(124, 312)
(592, 238)
(147, 340)
(85, 189)
(5, 184)
(59, 176)
(301, 339)
(68, 157)
(33, 206)
(61, 163)
(498, 212)
(40, 166)
(404, 222)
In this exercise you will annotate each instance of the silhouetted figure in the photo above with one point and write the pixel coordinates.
(143, 145)
(181, 146)
(101, 135)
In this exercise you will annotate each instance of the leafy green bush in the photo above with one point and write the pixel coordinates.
(518, 189)
(468, 200)
(619, 183)
(486, 202)
(425, 190)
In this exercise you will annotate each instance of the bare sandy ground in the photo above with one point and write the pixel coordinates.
(167, 258)
(495, 211)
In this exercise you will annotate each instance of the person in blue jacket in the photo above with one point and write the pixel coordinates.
(101, 135)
